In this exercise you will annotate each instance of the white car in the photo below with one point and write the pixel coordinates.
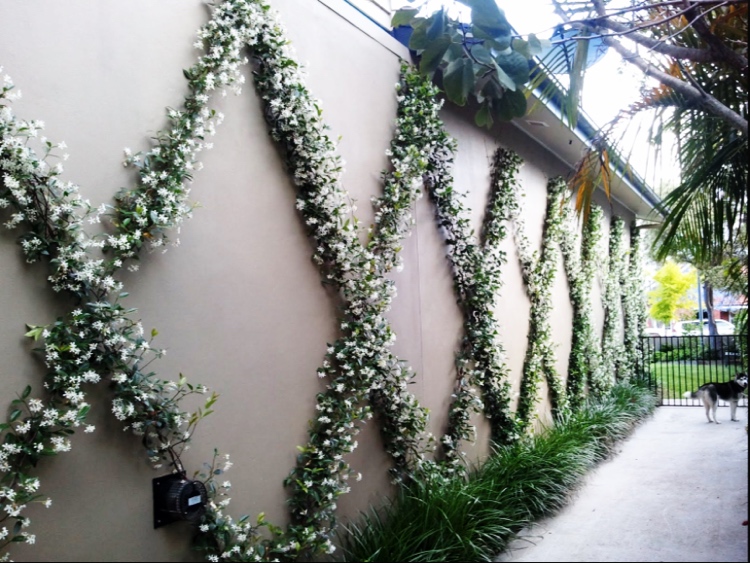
(687, 328)
(651, 331)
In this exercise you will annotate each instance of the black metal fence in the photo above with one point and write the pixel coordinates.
(674, 365)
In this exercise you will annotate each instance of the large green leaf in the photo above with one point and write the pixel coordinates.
(487, 18)
(458, 80)
(491, 88)
(483, 117)
(455, 51)
(531, 48)
(538, 46)
(511, 105)
(576, 77)
(433, 54)
(418, 40)
(436, 24)
(521, 46)
(403, 16)
(481, 54)
(506, 81)
(515, 65)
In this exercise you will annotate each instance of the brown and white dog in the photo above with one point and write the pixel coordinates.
(730, 391)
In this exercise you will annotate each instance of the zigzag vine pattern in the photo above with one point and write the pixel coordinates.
(634, 305)
(147, 212)
(99, 340)
(613, 352)
(578, 259)
(538, 270)
(480, 362)
(359, 364)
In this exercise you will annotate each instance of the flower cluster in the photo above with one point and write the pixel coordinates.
(160, 203)
(538, 270)
(33, 430)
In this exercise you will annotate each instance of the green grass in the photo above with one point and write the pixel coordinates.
(473, 518)
(675, 378)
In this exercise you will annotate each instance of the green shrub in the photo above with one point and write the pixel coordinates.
(473, 517)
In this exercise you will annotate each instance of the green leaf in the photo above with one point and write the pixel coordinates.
(454, 52)
(486, 17)
(433, 55)
(576, 78)
(436, 25)
(418, 40)
(505, 81)
(522, 47)
(458, 80)
(483, 117)
(482, 55)
(515, 65)
(511, 105)
(26, 392)
(14, 415)
(404, 16)
(538, 46)
(35, 332)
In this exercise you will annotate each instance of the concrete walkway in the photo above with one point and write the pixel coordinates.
(677, 490)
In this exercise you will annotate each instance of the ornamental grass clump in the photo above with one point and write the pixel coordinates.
(473, 517)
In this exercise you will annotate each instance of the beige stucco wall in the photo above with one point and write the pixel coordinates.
(239, 305)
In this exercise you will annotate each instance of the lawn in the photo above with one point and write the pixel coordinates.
(674, 378)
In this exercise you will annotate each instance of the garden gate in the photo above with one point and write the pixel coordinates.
(673, 365)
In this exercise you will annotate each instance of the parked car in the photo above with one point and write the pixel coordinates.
(652, 331)
(687, 328)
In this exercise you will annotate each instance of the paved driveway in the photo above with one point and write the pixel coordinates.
(677, 490)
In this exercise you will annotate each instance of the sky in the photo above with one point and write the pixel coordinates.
(601, 101)
(609, 86)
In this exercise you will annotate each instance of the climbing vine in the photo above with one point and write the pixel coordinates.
(634, 305)
(612, 349)
(475, 266)
(538, 271)
(578, 260)
(147, 212)
(99, 340)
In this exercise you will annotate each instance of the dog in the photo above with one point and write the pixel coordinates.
(730, 391)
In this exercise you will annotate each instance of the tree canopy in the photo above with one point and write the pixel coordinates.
(671, 293)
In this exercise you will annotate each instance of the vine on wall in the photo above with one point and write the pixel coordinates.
(634, 305)
(538, 271)
(147, 212)
(359, 365)
(475, 267)
(100, 340)
(579, 260)
(591, 253)
(612, 349)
